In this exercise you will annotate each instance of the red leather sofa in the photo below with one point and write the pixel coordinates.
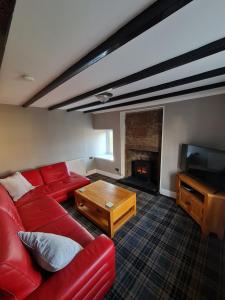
(55, 181)
(90, 274)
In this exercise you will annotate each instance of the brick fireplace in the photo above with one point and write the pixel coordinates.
(143, 149)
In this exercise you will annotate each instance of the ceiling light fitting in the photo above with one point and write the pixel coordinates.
(28, 77)
(104, 97)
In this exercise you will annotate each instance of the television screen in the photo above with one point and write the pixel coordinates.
(207, 165)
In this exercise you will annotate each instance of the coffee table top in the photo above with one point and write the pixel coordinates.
(101, 192)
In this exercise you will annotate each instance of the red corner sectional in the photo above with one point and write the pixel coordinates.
(90, 274)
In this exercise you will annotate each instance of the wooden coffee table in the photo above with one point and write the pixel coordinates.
(91, 202)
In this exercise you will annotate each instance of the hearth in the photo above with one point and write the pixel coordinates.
(142, 176)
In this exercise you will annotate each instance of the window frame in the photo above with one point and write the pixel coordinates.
(109, 142)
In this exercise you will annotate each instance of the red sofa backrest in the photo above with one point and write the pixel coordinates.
(34, 177)
(18, 275)
(54, 172)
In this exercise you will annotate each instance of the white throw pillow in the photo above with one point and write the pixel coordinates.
(51, 251)
(16, 185)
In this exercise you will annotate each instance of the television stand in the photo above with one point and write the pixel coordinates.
(203, 203)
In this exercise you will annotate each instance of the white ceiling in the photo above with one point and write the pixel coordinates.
(47, 36)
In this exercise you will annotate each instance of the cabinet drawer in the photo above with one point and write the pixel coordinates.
(196, 209)
(191, 204)
(185, 200)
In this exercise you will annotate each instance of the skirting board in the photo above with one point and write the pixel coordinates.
(104, 173)
(168, 193)
(91, 172)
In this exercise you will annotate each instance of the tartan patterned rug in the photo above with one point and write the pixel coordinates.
(160, 253)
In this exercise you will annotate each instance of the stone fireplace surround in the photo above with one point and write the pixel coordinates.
(138, 155)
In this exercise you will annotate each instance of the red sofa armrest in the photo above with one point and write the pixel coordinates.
(76, 174)
(88, 276)
(73, 173)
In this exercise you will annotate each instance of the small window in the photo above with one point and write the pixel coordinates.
(104, 144)
(109, 142)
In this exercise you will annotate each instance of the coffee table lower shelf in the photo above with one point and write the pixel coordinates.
(109, 220)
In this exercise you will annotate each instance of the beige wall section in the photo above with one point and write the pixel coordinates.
(200, 121)
(109, 121)
(31, 137)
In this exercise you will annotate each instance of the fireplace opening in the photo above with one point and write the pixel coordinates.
(141, 169)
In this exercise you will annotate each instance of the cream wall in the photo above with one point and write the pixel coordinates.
(199, 121)
(109, 121)
(31, 137)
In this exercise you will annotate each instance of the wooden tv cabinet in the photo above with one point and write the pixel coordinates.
(202, 203)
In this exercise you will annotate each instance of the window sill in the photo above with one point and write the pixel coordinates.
(106, 157)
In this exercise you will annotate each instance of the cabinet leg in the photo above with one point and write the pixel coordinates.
(135, 209)
(204, 232)
(220, 235)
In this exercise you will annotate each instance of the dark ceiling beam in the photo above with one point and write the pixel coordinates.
(6, 13)
(180, 60)
(151, 16)
(160, 87)
(161, 97)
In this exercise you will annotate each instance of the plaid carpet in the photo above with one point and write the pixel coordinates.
(160, 253)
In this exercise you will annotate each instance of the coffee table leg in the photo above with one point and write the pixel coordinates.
(135, 207)
(111, 231)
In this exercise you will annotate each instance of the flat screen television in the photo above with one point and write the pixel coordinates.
(204, 164)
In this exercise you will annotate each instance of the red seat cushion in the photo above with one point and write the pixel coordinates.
(35, 194)
(54, 172)
(63, 188)
(68, 183)
(67, 226)
(34, 177)
(38, 213)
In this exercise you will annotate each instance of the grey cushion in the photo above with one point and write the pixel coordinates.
(52, 252)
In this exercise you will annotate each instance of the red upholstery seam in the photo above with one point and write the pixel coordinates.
(13, 218)
(21, 273)
(103, 267)
(103, 287)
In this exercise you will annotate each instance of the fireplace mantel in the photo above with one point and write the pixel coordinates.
(142, 148)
